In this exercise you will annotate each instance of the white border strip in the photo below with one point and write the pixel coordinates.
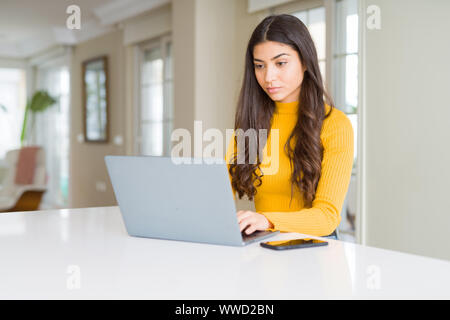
(361, 217)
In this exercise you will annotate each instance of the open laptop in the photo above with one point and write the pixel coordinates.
(162, 198)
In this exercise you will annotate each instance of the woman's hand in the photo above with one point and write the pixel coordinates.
(252, 221)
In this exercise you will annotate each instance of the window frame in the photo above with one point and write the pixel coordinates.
(161, 43)
(59, 58)
(22, 98)
(338, 52)
(293, 7)
(331, 85)
(41, 72)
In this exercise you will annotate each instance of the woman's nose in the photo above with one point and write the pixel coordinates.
(270, 75)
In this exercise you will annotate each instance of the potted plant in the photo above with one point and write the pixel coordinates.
(40, 102)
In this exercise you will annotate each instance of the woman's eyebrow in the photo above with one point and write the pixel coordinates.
(281, 54)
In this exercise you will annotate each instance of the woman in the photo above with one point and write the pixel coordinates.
(282, 89)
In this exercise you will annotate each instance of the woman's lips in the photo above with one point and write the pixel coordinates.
(274, 89)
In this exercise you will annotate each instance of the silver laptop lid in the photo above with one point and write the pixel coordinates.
(161, 199)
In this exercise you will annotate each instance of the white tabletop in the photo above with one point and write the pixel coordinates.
(86, 253)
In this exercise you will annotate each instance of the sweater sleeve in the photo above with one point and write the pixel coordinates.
(324, 215)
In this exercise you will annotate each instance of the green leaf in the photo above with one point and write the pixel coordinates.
(40, 102)
(24, 124)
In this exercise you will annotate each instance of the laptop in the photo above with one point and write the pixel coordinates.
(161, 198)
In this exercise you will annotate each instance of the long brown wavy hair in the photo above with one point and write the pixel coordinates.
(255, 110)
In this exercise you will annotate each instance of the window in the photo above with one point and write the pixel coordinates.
(346, 61)
(314, 20)
(340, 59)
(345, 84)
(156, 99)
(12, 108)
(51, 131)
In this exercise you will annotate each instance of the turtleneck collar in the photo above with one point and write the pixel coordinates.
(286, 107)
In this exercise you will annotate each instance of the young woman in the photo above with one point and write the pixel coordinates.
(282, 89)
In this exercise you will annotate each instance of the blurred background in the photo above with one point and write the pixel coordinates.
(83, 79)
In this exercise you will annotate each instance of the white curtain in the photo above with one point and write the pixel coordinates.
(51, 131)
(12, 107)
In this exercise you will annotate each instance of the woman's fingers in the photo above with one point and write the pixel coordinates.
(250, 221)
(245, 223)
(243, 215)
(250, 229)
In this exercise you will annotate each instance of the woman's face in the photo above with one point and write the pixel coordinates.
(277, 65)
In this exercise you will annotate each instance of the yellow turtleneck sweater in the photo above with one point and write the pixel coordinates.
(273, 196)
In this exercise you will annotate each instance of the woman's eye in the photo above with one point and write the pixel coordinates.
(260, 66)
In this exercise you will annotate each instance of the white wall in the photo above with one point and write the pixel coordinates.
(255, 5)
(407, 115)
(87, 164)
(183, 35)
(216, 83)
(12, 63)
(148, 26)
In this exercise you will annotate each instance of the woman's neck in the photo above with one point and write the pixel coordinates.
(286, 107)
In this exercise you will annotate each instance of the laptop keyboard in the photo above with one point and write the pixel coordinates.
(256, 234)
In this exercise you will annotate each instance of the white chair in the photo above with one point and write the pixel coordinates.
(15, 197)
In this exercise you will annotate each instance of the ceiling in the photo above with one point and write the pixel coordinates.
(30, 26)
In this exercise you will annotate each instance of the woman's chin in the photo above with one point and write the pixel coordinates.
(277, 96)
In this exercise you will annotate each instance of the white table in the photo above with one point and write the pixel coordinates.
(86, 253)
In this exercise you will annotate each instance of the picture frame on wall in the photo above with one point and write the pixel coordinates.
(95, 100)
